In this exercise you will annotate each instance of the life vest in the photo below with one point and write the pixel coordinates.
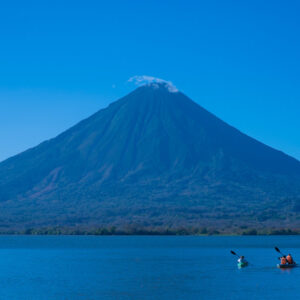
(283, 261)
(289, 259)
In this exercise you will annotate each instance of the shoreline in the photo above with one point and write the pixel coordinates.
(111, 231)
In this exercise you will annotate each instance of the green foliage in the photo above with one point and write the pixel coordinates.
(250, 232)
(109, 231)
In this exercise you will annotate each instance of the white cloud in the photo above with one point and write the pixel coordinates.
(153, 81)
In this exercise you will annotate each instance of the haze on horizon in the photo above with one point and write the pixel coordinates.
(61, 62)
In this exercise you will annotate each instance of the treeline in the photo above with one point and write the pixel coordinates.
(102, 231)
(112, 231)
(271, 232)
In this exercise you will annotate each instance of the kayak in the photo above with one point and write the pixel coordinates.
(287, 266)
(242, 264)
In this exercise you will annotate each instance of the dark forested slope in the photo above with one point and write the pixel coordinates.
(153, 158)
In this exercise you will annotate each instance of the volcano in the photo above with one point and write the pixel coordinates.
(153, 158)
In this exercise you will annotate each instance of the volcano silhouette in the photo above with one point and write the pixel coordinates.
(152, 158)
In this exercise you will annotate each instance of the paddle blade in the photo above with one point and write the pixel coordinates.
(232, 252)
(277, 249)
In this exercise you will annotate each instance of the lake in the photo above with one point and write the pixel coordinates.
(145, 267)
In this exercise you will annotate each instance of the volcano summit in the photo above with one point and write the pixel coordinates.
(154, 158)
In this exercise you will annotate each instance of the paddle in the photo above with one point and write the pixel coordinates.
(232, 252)
(277, 249)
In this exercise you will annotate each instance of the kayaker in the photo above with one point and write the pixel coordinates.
(242, 260)
(290, 259)
(283, 260)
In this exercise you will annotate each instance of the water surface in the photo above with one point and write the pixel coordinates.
(110, 267)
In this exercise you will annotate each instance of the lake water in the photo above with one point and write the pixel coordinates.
(110, 267)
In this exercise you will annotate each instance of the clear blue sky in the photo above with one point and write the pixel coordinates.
(61, 61)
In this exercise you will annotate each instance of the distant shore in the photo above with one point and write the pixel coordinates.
(113, 231)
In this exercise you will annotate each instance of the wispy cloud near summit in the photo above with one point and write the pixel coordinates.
(150, 80)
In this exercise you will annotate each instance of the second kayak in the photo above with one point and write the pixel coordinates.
(242, 264)
(287, 266)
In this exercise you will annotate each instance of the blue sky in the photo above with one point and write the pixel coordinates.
(61, 61)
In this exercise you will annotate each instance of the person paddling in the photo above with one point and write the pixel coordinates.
(290, 260)
(242, 260)
(283, 260)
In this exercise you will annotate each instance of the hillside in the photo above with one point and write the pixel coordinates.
(153, 158)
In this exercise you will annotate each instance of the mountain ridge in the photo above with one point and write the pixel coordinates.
(152, 157)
